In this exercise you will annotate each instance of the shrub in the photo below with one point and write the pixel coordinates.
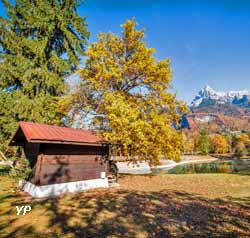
(22, 169)
(4, 170)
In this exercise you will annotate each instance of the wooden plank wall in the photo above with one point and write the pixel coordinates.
(69, 163)
(68, 168)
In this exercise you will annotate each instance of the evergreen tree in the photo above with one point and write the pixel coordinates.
(204, 142)
(41, 42)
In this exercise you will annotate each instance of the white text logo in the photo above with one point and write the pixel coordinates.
(22, 208)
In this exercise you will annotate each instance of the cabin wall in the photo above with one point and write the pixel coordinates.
(31, 152)
(69, 163)
(53, 169)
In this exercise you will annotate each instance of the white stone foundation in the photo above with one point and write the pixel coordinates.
(62, 188)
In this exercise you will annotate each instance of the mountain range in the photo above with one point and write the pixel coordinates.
(220, 110)
(208, 96)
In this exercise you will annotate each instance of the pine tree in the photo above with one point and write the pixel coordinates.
(204, 142)
(41, 43)
(125, 90)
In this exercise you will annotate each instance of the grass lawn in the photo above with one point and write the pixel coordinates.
(195, 205)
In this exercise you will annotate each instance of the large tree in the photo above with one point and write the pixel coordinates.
(41, 43)
(125, 93)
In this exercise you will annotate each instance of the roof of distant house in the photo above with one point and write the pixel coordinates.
(42, 133)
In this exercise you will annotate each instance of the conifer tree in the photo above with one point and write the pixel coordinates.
(204, 142)
(41, 43)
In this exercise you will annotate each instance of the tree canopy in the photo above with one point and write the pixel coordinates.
(125, 92)
(41, 43)
(204, 144)
(220, 144)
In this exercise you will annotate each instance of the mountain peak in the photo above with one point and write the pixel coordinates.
(209, 96)
(208, 88)
(207, 91)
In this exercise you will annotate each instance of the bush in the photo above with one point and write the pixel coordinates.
(4, 170)
(22, 169)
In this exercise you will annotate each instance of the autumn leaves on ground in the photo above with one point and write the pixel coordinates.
(204, 205)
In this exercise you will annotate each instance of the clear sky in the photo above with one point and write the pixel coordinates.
(208, 41)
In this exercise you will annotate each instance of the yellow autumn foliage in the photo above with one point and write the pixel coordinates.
(126, 92)
(220, 144)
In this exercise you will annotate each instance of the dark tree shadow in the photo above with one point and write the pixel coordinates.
(126, 214)
(154, 215)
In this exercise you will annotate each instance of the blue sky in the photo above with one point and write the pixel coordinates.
(208, 41)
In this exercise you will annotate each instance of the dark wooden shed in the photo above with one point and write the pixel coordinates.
(60, 155)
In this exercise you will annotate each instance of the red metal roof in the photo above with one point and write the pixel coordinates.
(42, 132)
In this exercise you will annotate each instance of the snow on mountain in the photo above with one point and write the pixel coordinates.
(208, 94)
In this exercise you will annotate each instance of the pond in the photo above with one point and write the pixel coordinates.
(222, 166)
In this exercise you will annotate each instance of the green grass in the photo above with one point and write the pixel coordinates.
(188, 205)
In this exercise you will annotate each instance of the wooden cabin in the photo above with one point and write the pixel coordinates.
(62, 159)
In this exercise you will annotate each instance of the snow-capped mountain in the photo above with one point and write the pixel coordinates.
(208, 96)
